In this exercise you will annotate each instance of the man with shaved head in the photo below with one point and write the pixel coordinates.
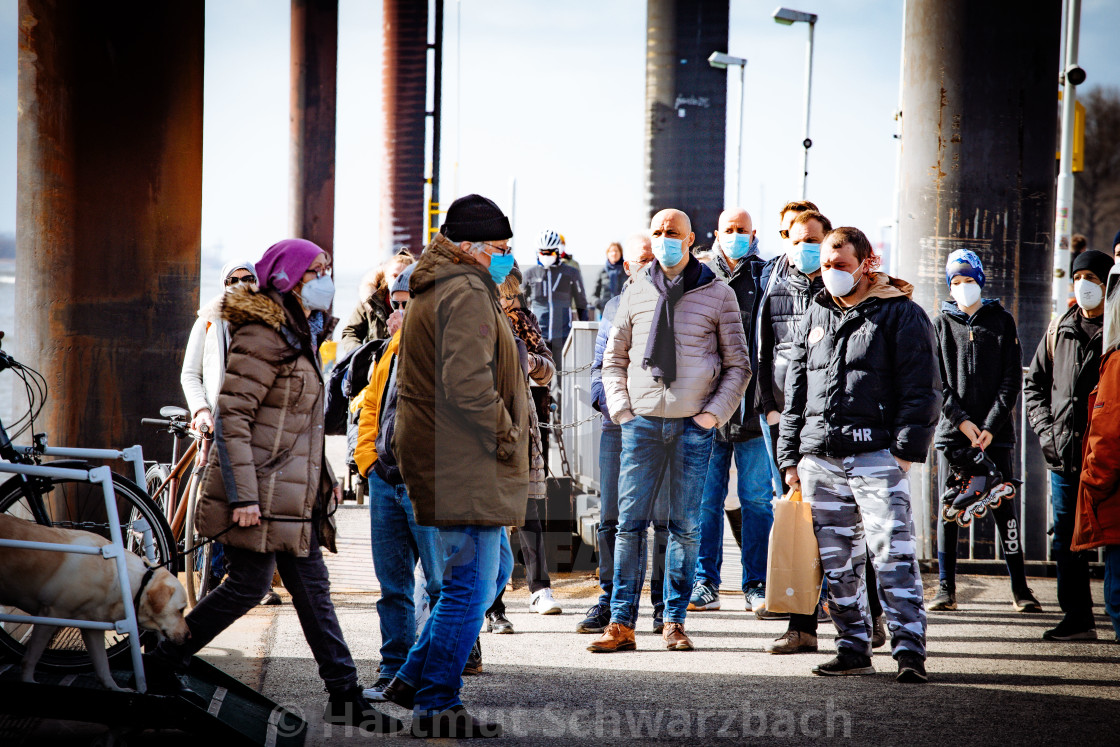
(674, 369)
(637, 254)
(735, 261)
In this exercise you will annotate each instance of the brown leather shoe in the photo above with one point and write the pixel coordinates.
(675, 638)
(793, 642)
(617, 637)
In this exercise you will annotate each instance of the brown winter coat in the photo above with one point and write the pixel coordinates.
(462, 425)
(268, 448)
(713, 368)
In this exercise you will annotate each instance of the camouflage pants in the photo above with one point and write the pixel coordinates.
(850, 496)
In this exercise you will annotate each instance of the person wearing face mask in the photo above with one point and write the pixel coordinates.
(267, 487)
(863, 396)
(735, 261)
(674, 369)
(981, 377)
(462, 446)
(551, 288)
(1097, 523)
(638, 255)
(1063, 373)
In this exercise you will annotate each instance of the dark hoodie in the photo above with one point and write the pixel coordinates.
(981, 373)
(862, 379)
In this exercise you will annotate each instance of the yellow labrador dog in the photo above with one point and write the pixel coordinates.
(82, 587)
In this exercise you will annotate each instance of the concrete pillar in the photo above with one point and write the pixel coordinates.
(404, 103)
(979, 117)
(108, 210)
(314, 87)
(686, 110)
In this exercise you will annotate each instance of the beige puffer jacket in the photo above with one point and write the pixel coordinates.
(713, 367)
(268, 448)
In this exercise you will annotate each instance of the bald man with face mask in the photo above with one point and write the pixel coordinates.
(675, 368)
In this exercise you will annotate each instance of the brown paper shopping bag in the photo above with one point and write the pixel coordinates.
(793, 565)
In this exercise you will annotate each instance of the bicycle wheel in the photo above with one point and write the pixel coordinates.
(153, 478)
(73, 504)
(198, 564)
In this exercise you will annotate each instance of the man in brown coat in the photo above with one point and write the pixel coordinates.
(674, 369)
(462, 442)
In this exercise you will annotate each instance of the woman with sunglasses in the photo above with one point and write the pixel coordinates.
(204, 364)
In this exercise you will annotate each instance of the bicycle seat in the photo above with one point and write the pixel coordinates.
(173, 413)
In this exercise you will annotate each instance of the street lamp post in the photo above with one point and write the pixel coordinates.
(722, 61)
(788, 17)
(1072, 76)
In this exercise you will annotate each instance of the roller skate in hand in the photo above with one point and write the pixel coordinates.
(975, 484)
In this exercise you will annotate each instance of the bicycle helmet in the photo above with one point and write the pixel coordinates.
(549, 240)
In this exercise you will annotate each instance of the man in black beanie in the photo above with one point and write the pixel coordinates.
(462, 445)
(1065, 369)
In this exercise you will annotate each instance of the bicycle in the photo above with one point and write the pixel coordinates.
(163, 485)
(70, 504)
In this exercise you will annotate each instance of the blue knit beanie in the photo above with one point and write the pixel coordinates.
(964, 262)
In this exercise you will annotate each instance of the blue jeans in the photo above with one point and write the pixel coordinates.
(397, 542)
(477, 563)
(1074, 596)
(755, 491)
(650, 446)
(610, 463)
(1112, 585)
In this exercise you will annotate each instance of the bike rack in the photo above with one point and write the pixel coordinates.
(133, 455)
(113, 551)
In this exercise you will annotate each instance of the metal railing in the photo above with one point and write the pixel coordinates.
(114, 551)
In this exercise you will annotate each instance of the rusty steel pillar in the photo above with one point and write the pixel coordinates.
(979, 127)
(314, 89)
(686, 110)
(109, 210)
(404, 101)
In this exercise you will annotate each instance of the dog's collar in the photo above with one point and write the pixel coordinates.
(139, 592)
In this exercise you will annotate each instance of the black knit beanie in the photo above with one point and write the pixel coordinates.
(1096, 262)
(475, 218)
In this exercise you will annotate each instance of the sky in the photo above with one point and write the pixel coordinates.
(552, 95)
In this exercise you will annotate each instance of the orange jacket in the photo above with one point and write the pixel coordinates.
(365, 451)
(1097, 521)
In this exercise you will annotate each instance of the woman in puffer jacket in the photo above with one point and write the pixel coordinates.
(540, 369)
(1097, 521)
(267, 488)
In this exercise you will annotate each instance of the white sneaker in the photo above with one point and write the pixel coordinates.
(543, 604)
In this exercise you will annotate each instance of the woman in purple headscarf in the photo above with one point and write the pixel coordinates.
(267, 488)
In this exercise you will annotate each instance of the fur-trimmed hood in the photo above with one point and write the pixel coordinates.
(243, 306)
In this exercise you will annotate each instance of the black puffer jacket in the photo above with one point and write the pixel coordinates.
(786, 301)
(746, 281)
(981, 373)
(1056, 392)
(862, 379)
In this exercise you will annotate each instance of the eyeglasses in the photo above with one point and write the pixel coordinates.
(319, 271)
(397, 305)
(783, 232)
(232, 280)
(498, 249)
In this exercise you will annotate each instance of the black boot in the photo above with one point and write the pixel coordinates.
(454, 723)
(350, 708)
(735, 517)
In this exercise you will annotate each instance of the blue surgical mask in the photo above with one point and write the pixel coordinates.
(500, 266)
(808, 258)
(738, 245)
(669, 252)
